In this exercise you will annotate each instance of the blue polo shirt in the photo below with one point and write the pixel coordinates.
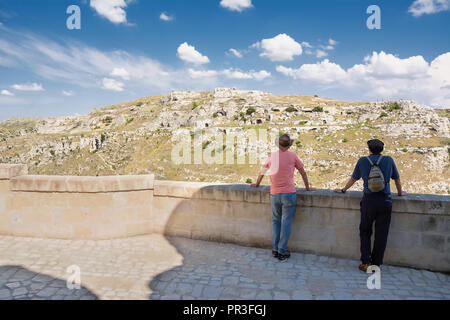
(387, 166)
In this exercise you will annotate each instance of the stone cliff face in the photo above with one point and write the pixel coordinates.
(137, 137)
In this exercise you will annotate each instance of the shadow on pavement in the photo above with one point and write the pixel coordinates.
(18, 283)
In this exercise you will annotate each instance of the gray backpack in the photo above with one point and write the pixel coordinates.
(376, 181)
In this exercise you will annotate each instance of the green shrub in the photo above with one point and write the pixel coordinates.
(215, 115)
(383, 114)
(139, 104)
(345, 140)
(195, 104)
(291, 109)
(394, 106)
(318, 109)
(250, 111)
(206, 144)
(316, 96)
(107, 119)
(302, 123)
(102, 138)
(298, 144)
(129, 120)
(249, 181)
(405, 150)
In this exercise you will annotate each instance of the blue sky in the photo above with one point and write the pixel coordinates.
(128, 49)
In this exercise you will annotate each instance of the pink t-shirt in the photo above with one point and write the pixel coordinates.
(281, 165)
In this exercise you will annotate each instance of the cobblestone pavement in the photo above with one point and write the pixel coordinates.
(156, 267)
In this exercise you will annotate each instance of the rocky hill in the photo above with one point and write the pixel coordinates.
(137, 137)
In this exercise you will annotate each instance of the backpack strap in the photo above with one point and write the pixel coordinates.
(379, 159)
(378, 162)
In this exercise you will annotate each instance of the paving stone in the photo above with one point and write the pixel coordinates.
(301, 295)
(230, 281)
(134, 268)
(280, 295)
(429, 275)
(264, 295)
(5, 294)
(212, 292)
(47, 292)
(197, 291)
(184, 288)
(247, 294)
(13, 285)
(19, 291)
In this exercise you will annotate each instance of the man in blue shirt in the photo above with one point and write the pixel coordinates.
(375, 206)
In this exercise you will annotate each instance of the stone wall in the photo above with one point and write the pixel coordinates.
(74, 207)
(325, 223)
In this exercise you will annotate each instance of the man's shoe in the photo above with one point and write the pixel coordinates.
(364, 266)
(285, 256)
(275, 254)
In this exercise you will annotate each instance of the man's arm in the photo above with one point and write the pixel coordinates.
(258, 181)
(398, 185)
(305, 179)
(349, 184)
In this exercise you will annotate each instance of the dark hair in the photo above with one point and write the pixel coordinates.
(375, 146)
(285, 141)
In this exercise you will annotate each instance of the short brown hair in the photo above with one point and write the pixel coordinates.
(285, 141)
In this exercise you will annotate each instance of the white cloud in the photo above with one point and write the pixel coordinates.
(6, 93)
(280, 48)
(332, 42)
(230, 74)
(236, 5)
(306, 44)
(330, 46)
(121, 73)
(384, 76)
(166, 17)
(113, 10)
(28, 87)
(198, 74)
(113, 85)
(80, 65)
(421, 7)
(188, 53)
(383, 65)
(261, 75)
(68, 93)
(234, 52)
(324, 71)
(321, 53)
(237, 74)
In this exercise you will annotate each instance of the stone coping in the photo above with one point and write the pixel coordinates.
(20, 181)
(75, 184)
(8, 171)
(412, 203)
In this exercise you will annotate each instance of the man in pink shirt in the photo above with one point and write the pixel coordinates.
(283, 197)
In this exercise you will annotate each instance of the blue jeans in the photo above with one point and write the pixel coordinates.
(283, 209)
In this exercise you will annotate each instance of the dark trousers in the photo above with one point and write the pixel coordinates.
(375, 207)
